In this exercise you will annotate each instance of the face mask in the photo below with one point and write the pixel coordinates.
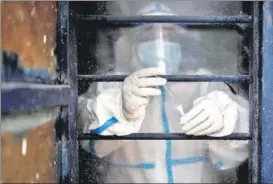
(172, 55)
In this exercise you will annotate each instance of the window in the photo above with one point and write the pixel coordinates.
(260, 97)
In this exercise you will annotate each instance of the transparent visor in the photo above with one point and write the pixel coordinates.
(159, 31)
(159, 45)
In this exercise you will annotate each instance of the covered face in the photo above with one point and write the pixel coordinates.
(158, 45)
(154, 44)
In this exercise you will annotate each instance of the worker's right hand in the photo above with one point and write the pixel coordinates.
(138, 88)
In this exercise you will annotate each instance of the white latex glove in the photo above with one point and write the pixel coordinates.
(214, 115)
(136, 90)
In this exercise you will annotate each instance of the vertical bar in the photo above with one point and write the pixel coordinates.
(267, 94)
(61, 44)
(61, 56)
(59, 159)
(254, 90)
(59, 129)
(73, 163)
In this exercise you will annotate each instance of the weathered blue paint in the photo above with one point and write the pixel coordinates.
(16, 96)
(72, 71)
(27, 75)
(267, 95)
(61, 56)
(13, 71)
(254, 97)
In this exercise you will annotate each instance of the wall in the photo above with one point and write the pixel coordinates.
(28, 28)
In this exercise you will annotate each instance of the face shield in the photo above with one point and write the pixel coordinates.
(159, 45)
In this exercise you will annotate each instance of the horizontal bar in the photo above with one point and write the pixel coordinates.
(172, 78)
(200, 26)
(165, 19)
(162, 136)
(20, 96)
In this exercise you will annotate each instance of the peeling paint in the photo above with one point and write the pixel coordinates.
(28, 43)
(24, 147)
(33, 11)
(44, 38)
(52, 52)
(37, 176)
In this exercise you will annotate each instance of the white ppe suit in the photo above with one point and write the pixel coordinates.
(103, 109)
(159, 161)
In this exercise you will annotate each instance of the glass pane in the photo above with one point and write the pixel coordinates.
(111, 51)
(114, 49)
(189, 161)
(189, 51)
(134, 161)
(131, 8)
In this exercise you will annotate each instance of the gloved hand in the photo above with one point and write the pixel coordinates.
(138, 88)
(214, 115)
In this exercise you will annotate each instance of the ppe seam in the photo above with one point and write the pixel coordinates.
(168, 142)
(134, 166)
(190, 160)
(151, 165)
(110, 122)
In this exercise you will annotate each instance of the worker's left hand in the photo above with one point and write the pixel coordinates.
(214, 115)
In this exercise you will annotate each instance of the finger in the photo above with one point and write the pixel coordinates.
(203, 126)
(191, 114)
(145, 92)
(199, 119)
(148, 72)
(148, 82)
(215, 127)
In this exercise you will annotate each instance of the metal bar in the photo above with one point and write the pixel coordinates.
(165, 19)
(61, 68)
(173, 78)
(254, 89)
(60, 137)
(73, 157)
(267, 95)
(61, 48)
(20, 96)
(162, 136)
(59, 160)
(200, 26)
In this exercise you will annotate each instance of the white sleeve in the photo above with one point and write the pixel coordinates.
(228, 154)
(103, 114)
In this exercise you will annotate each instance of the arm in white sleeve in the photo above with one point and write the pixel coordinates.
(103, 115)
(227, 154)
(119, 109)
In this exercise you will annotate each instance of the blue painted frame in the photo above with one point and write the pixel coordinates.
(267, 95)
(19, 96)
